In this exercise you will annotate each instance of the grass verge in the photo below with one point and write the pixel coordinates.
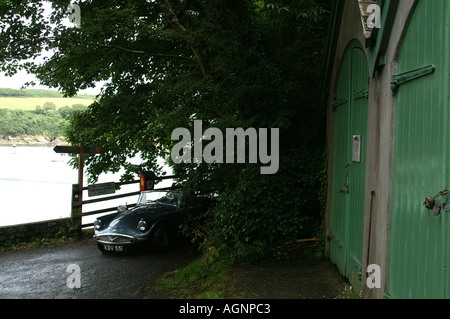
(197, 280)
(351, 292)
(214, 280)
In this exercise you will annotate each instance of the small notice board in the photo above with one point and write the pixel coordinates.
(356, 148)
(101, 189)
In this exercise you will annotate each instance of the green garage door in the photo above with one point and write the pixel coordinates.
(419, 241)
(348, 179)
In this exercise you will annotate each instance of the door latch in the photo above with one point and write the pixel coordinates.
(430, 203)
(345, 188)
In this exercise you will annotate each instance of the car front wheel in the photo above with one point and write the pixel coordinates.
(161, 238)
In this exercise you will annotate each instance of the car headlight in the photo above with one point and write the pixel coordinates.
(97, 224)
(142, 225)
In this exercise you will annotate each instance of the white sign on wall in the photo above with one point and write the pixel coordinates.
(356, 148)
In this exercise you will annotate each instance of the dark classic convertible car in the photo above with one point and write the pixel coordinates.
(152, 222)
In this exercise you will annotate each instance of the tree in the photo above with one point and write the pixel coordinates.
(49, 107)
(230, 63)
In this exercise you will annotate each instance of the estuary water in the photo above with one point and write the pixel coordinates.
(36, 185)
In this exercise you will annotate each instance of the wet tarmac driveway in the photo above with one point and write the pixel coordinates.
(42, 273)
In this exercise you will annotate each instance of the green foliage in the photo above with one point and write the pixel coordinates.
(350, 292)
(45, 120)
(67, 230)
(262, 212)
(230, 63)
(198, 279)
(12, 243)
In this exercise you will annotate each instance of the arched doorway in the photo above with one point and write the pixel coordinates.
(349, 164)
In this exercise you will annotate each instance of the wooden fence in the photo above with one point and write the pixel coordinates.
(78, 202)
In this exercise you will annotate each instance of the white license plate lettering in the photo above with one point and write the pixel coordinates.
(113, 248)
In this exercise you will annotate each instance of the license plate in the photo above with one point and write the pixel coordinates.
(113, 248)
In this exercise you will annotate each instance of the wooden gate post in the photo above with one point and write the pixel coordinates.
(78, 210)
(77, 189)
(76, 205)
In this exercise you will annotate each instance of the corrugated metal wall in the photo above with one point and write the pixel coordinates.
(347, 208)
(340, 161)
(359, 86)
(419, 253)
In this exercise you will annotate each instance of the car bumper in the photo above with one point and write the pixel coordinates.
(112, 241)
(115, 239)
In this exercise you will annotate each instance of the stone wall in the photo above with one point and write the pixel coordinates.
(32, 231)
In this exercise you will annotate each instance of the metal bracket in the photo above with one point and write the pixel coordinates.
(333, 237)
(361, 94)
(345, 188)
(399, 79)
(336, 103)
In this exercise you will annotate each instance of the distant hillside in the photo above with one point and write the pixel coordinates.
(30, 99)
(38, 93)
(46, 120)
(28, 115)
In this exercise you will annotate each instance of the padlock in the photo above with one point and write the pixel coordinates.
(429, 202)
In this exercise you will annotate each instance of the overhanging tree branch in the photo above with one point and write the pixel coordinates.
(176, 25)
(116, 47)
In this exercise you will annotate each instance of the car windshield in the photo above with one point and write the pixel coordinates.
(162, 197)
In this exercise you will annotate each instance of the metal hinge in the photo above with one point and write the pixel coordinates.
(336, 103)
(399, 79)
(361, 94)
(333, 237)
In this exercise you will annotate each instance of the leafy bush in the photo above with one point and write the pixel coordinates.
(262, 212)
